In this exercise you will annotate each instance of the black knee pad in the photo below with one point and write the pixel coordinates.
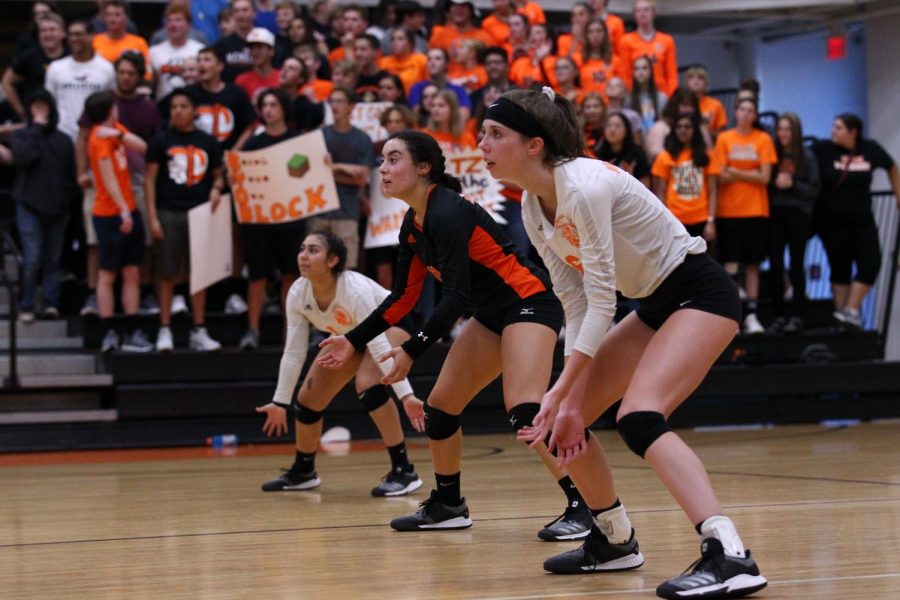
(306, 415)
(375, 397)
(438, 424)
(640, 429)
(523, 415)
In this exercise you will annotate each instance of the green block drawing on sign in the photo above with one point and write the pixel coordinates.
(298, 165)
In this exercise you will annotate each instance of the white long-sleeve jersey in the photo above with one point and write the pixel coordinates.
(610, 232)
(356, 296)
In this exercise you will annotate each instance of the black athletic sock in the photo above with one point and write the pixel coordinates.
(399, 458)
(752, 306)
(304, 463)
(616, 504)
(131, 323)
(571, 492)
(448, 489)
(107, 323)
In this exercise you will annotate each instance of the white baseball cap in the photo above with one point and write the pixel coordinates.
(261, 35)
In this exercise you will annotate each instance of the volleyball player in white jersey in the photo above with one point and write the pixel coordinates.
(334, 300)
(598, 230)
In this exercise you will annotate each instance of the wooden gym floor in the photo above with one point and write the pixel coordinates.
(819, 507)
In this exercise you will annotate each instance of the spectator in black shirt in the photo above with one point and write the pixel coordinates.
(184, 170)
(223, 109)
(269, 247)
(233, 47)
(29, 39)
(305, 114)
(619, 148)
(25, 75)
(365, 53)
(844, 220)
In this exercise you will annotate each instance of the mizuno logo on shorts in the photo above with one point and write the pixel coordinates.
(527, 311)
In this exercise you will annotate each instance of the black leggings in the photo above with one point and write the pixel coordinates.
(848, 238)
(789, 226)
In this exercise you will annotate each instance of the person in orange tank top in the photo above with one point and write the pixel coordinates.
(497, 23)
(567, 82)
(532, 10)
(614, 23)
(742, 216)
(598, 63)
(538, 66)
(466, 69)
(408, 65)
(460, 24)
(572, 43)
(712, 112)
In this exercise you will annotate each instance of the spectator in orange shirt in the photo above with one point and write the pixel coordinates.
(119, 226)
(647, 41)
(497, 23)
(519, 31)
(567, 82)
(116, 40)
(410, 15)
(353, 24)
(598, 63)
(466, 69)
(446, 125)
(538, 66)
(593, 112)
(461, 24)
(746, 154)
(572, 43)
(684, 177)
(263, 75)
(532, 10)
(712, 113)
(408, 65)
(614, 24)
(315, 89)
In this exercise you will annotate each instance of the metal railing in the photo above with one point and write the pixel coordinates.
(8, 247)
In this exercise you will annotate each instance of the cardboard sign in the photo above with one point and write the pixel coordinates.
(383, 226)
(467, 164)
(210, 235)
(282, 183)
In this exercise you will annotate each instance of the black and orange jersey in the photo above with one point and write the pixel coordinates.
(478, 266)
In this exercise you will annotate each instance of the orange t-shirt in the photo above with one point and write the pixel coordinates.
(525, 74)
(410, 69)
(742, 199)
(616, 28)
(111, 49)
(113, 149)
(687, 186)
(596, 72)
(497, 27)
(443, 36)
(533, 12)
(471, 79)
(713, 113)
(447, 141)
(320, 88)
(337, 54)
(660, 49)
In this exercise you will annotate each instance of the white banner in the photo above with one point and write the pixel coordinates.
(282, 183)
(383, 226)
(365, 116)
(210, 235)
(478, 185)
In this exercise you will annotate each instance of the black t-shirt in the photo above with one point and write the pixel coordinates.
(224, 114)
(31, 66)
(258, 142)
(308, 115)
(186, 164)
(633, 160)
(237, 56)
(847, 177)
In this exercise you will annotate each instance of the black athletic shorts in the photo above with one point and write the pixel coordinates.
(699, 283)
(544, 308)
(743, 240)
(271, 247)
(119, 249)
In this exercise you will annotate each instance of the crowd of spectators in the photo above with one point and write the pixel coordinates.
(114, 137)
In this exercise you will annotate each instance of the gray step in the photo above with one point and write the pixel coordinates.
(51, 364)
(45, 329)
(45, 343)
(58, 416)
(66, 381)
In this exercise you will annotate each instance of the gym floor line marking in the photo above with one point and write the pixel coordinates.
(140, 538)
(812, 580)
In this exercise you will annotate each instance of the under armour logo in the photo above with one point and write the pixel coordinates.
(422, 336)
(574, 503)
(527, 311)
(512, 421)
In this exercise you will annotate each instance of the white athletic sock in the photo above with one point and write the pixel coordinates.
(615, 525)
(722, 528)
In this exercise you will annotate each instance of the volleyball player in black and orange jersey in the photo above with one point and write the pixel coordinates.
(514, 330)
